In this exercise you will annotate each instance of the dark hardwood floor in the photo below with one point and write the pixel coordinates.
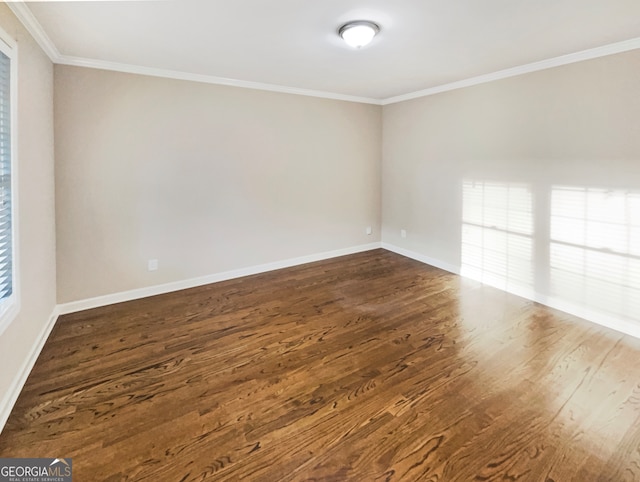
(370, 367)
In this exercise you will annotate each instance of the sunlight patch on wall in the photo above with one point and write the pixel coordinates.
(497, 234)
(595, 248)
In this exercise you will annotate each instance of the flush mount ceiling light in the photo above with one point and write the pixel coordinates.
(358, 34)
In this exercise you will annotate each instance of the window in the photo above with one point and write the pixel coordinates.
(8, 285)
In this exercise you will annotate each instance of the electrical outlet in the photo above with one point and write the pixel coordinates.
(369, 230)
(152, 265)
(403, 233)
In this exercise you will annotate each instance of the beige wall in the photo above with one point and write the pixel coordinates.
(36, 213)
(576, 125)
(204, 178)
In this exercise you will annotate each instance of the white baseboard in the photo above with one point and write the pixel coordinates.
(603, 319)
(422, 258)
(110, 299)
(11, 396)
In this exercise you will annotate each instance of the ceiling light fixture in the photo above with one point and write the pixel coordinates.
(358, 34)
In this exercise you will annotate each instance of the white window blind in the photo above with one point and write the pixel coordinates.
(6, 237)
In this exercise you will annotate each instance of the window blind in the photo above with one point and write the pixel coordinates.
(6, 249)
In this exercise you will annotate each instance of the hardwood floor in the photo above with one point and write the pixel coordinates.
(370, 367)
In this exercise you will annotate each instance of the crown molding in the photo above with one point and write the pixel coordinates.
(208, 79)
(589, 54)
(22, 12)
(32, 25)
(20, 9)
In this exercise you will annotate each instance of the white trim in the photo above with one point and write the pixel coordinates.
(609, 321)
(589, 54)
(10, 307)
(21, 10)
(32, 25)
(10, 312)
(9, 42)
(207, 79)
(123, 296)
(422, 258)
(602, 319)
(11, 396)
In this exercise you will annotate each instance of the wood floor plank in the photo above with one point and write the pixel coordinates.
(369, 367)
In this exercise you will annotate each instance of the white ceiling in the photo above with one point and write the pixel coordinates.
(294, 43)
